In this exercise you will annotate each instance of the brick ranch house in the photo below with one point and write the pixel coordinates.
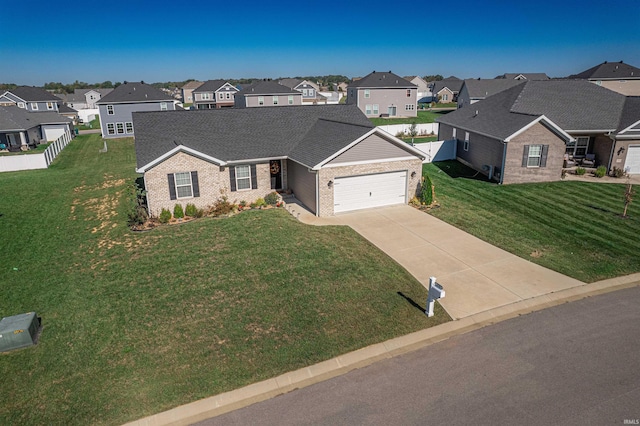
(331, 157)
(530, 132)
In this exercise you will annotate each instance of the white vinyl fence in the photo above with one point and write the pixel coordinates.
(422, 128)
(14, 163)
(438, 150)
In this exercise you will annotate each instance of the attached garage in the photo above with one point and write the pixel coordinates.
(632, 164)
(367, 191)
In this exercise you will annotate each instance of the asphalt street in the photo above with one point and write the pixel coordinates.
(573, 364)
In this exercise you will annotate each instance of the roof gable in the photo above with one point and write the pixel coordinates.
(134, 92)
(211, 86)
(609, 71)
(382, 80)
(33, 94)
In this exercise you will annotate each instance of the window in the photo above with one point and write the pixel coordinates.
(221, 95)
(243, 177)
(129, 127)
(183, 184)
(120, 128)
(367, 109)
(376, 110)
(305, 92)
(20, 104)
(534, 156)
(290, 99)
(228, 95)
(109, 109)
(466, 141)
(49, 106)
(260, 100)
(445, 97)
(367, 93)
(311, 93)
(34, 106)
(579, 147)
(111, 130)
(163, 106)
(409, 107)
(205, 96)
(275, 100)
(408, 93)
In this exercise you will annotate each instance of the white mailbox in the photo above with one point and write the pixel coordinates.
(436, 291)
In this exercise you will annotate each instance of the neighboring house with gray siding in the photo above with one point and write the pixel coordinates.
(83, 98)
(22, 130)
(446, 90)
(474, 90)
(115, 109)
(310, 91)
(30, 98)
(384, 94)
(330, 156)
(214, 94)
(266, 93)
(525, 133)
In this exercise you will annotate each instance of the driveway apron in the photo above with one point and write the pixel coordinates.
(476, 276)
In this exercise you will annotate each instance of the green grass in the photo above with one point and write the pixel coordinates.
(574, 228)
(421, 139)
(39, 149)
(93, 124)
(137, 323)
(423, 117)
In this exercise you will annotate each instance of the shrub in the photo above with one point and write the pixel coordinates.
(618, 172)
(191, 210)
(600, 171)
(426, 191)
(414, 201)
(165, 216)
(178, 212)
(271, 198)
(222, 206)
(137, 213)
(260, 202)
(243, 203)
(580, 171)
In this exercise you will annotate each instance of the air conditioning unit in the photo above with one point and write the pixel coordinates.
(19, 331)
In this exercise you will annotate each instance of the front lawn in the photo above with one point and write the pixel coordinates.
(137, 323)
(93, 124)
(574, 228)
(423, 117)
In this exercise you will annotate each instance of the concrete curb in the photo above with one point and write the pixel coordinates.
(223, 403)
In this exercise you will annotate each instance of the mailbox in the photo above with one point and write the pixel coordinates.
(436, 291)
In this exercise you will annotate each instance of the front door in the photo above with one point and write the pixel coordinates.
(275, 168)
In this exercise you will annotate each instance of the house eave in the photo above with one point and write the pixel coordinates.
(554, 127)
(256, 160)
(177, 149)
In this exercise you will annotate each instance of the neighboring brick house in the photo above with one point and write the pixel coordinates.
(30, 98)
(265, 93)
(330, 156)
(116, 108)
(524, 134)
(214, 94)
(21, 129)
(474, 90)
(310, 91)
(384, 94)
(186, 91)
(617, 76)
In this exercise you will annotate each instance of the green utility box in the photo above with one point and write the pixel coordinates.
(19, 331)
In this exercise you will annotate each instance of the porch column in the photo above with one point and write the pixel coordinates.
(23, 139)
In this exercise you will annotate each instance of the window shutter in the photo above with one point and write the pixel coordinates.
(172, 186)
(232, 178)
(194, 183)
(525, 156)
(543, 157)
(254, 177)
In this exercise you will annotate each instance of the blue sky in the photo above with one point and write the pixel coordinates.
(134, 40)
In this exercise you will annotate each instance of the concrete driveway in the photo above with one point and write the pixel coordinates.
(476, 276)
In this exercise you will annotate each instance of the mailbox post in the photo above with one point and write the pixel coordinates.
(435, 292)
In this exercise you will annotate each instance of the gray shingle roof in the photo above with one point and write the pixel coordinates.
(192, 85)
(62, 108)
(526, 75)
(134, 92)
(33, 94)
(268, 87)
(571, 104)
(454, 84)
(210, 86)
(482, 88)
(251, 133)
(382, 79)
(290, 82)
(14, 118)
(609, 70)
(630, 113)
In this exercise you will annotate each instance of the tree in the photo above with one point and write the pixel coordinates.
(628, 196)
(436, 77)
(413, 131)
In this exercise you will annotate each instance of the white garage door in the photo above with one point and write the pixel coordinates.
(364, 192)
(632, 164)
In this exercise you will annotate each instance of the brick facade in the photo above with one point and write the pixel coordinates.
(330, 173)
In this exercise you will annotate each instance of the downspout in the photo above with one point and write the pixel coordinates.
(504, 160)
(146, 193)
(613, 147)
(317, 193)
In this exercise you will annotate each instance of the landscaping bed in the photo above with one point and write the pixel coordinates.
(575, 228)
(135, 323)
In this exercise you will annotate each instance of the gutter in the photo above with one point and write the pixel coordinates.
(504, 160)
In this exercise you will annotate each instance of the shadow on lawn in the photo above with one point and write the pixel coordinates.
(456, 170)
(411, 302)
